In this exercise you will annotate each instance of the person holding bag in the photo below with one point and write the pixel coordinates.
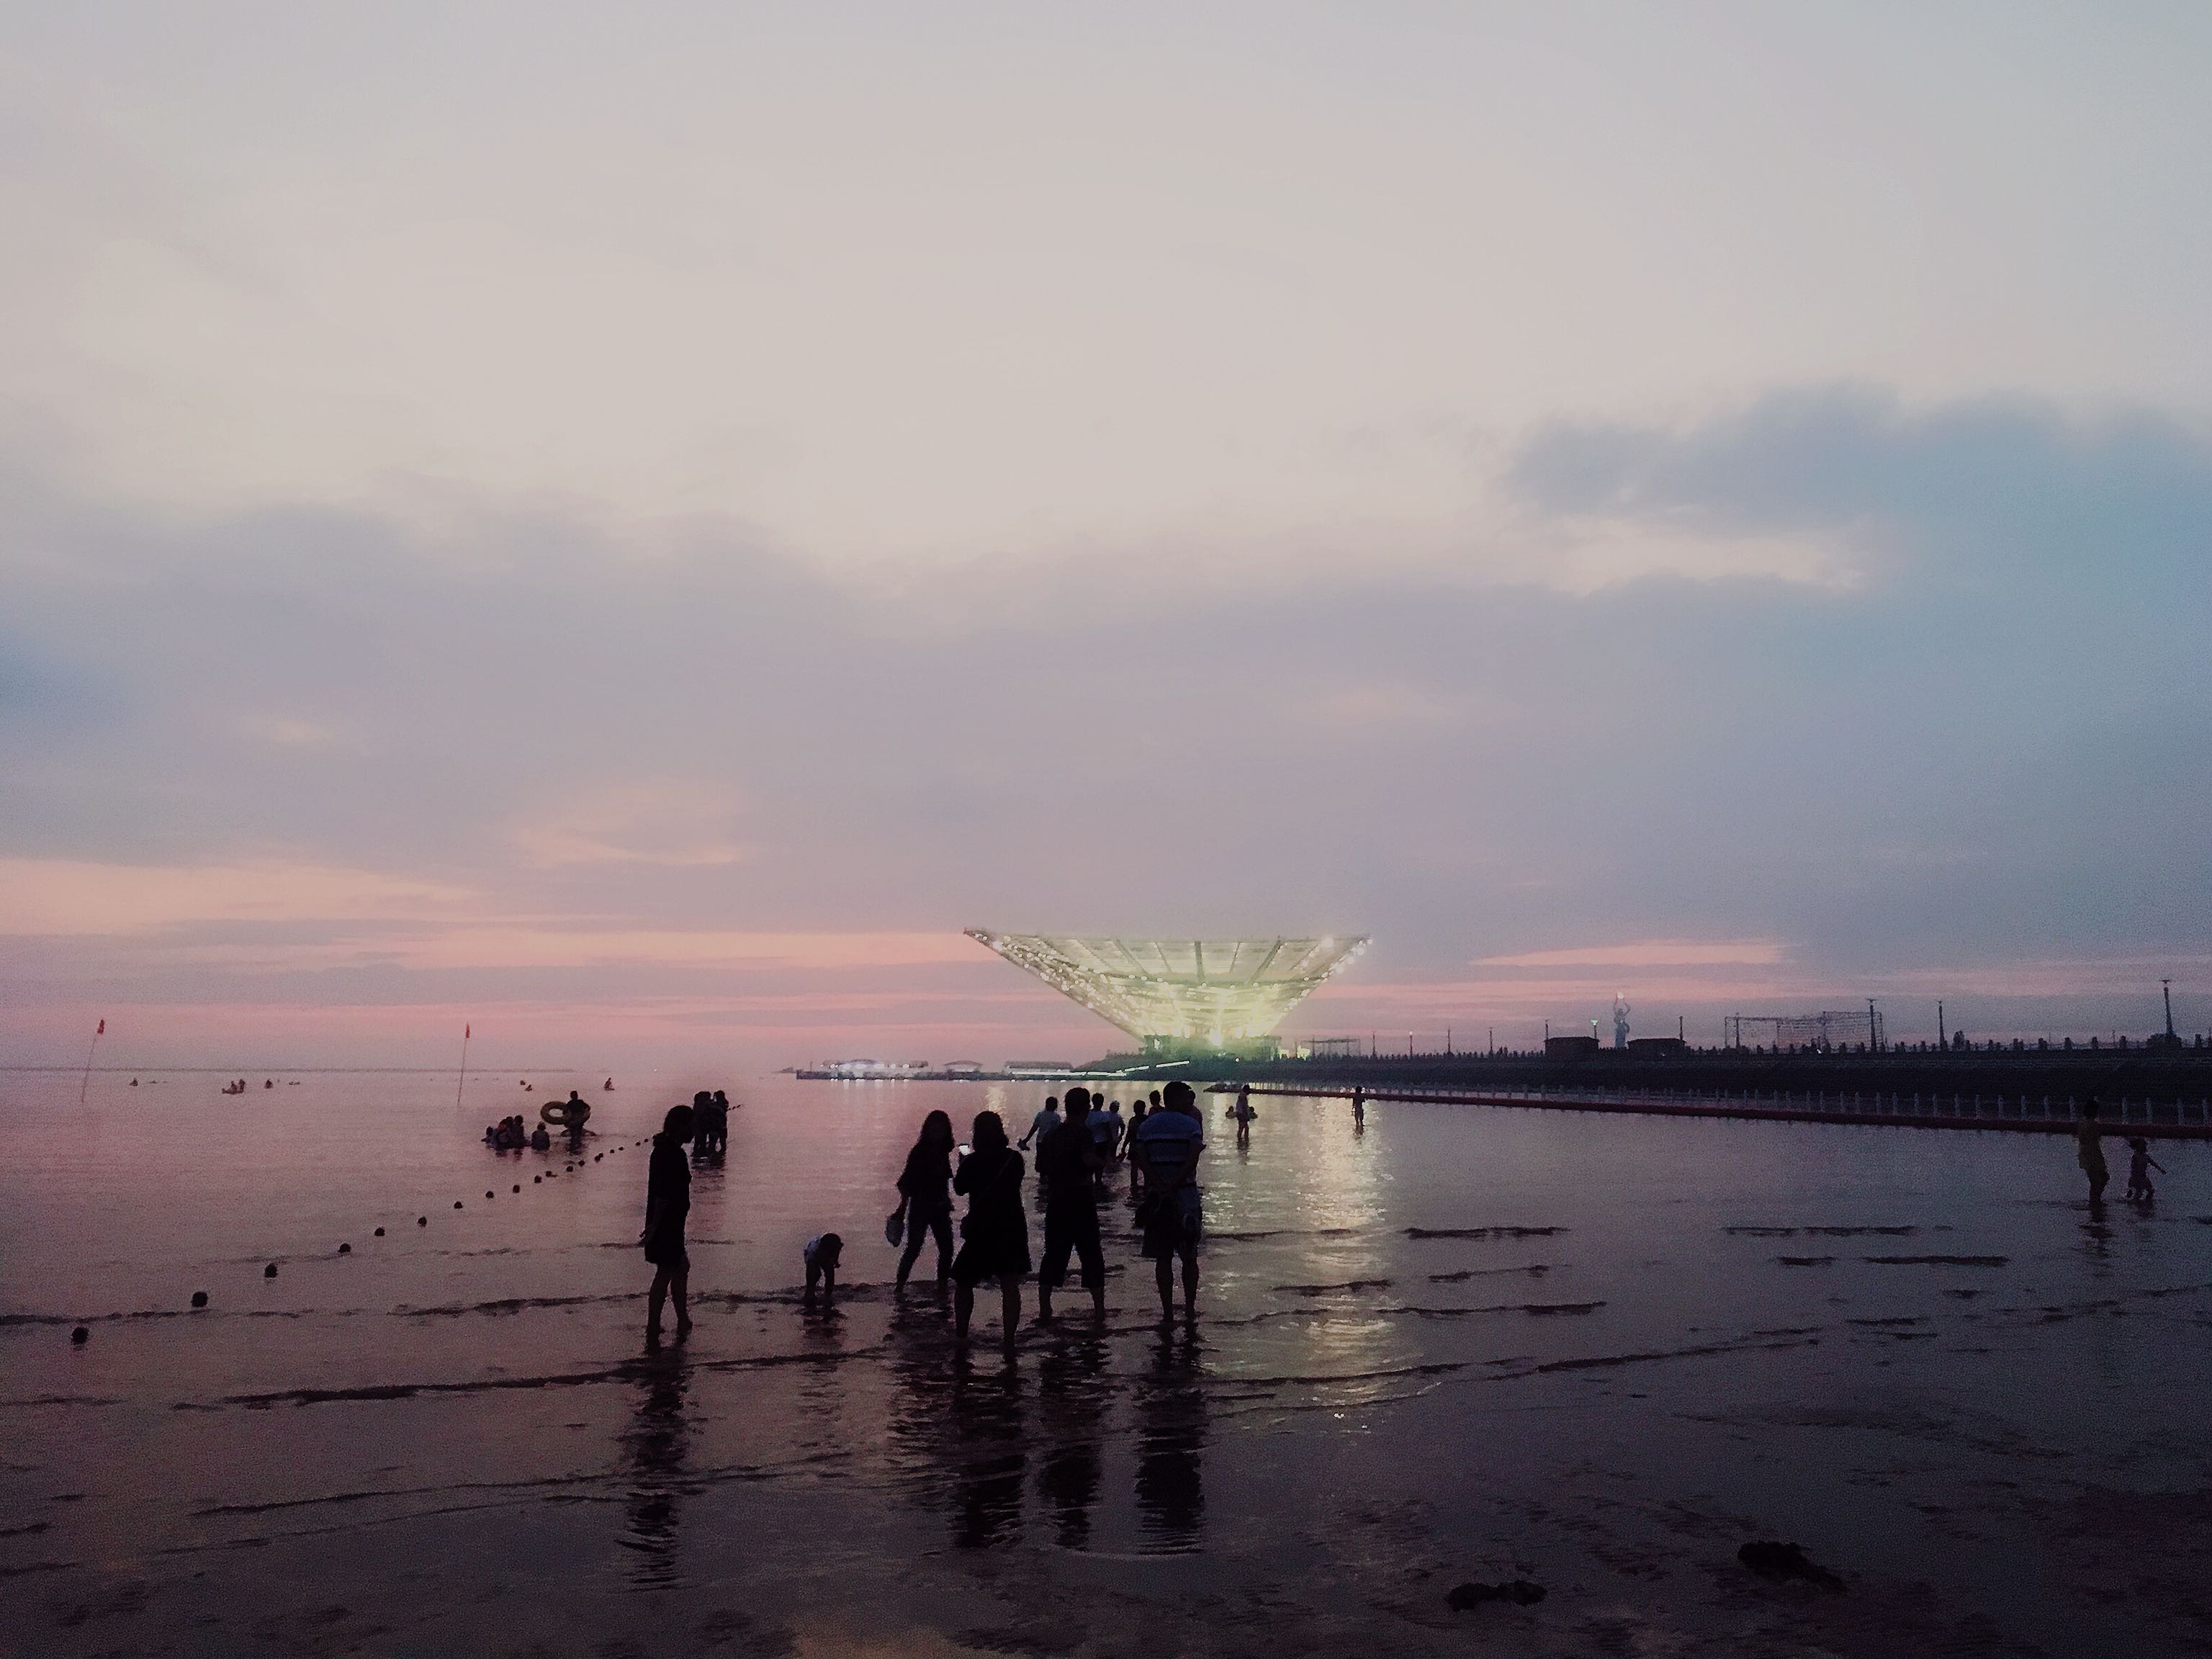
(995, 1236)
(925, 1189)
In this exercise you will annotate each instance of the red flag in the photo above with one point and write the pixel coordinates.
(102, 1031)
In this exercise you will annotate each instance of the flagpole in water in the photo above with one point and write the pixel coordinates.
(83, 1087)
(463, 1084)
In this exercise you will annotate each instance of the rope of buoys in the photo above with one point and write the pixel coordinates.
(565, 1113)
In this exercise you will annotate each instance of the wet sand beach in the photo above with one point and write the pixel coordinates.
(1596, 1354)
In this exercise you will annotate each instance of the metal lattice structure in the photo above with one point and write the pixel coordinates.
(1180, 993)
(1824, 1032)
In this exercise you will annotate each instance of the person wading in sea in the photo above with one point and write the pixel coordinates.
(667, 1202)
(1166, 1148)
(1046, 1120)
(925, 1195)
(994, 1234)
(2089, 1150)
(1067, 1168)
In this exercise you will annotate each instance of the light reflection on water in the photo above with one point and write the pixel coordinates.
(497, 1347)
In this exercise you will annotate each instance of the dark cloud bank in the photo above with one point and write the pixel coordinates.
(1988, 749)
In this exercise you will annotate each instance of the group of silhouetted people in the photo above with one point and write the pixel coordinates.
(1075, 1151)
(512, 1134)
(2089, 1152)
(710, 1124)
(1077, 1147)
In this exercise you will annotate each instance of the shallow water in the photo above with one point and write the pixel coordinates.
(1597, 1352)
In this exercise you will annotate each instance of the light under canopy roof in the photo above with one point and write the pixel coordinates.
(1220, 992)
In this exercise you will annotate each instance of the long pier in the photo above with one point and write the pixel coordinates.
(2155, 1119)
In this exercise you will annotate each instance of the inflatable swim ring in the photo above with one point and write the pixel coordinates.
(568, 1114)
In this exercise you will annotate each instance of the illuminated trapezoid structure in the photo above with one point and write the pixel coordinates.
(1175, 993)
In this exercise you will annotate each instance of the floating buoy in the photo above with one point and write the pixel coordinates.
(422, 1220)
(534, 1180)
(269, 1272)
(457, 1203)
(487, 1192)
(346, 1249)
(80, 1336)
(380, 1232)
(199, 1298)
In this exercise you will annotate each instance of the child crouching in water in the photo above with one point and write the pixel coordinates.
(821, 1255)
(2139, 1165)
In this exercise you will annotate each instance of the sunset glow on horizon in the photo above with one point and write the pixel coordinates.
(640, 553)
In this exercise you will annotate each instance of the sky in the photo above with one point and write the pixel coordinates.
(629, 528)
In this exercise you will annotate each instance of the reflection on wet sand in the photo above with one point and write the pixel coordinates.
(1470, 1345)
(654, 1448)
(1077, 1404)
(986, 1443)
(1171, 1430)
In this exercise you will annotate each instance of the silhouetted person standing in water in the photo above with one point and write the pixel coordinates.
(1167, 1149)
(1046, 1120)
(1360, 1106)
(1140, 1109)
(667, 1202)
(926, 1189)
(994, 1234)
(2089, 1150)
(1067, 1167)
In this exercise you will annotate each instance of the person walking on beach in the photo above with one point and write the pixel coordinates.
(667, 1202)
(1167, 1148)
(925, 1192)
(2089, 1150)
(1067, 1165)
(994, 1234)
(1044, 1122)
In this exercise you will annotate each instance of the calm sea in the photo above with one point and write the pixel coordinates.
(1598, 1353)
